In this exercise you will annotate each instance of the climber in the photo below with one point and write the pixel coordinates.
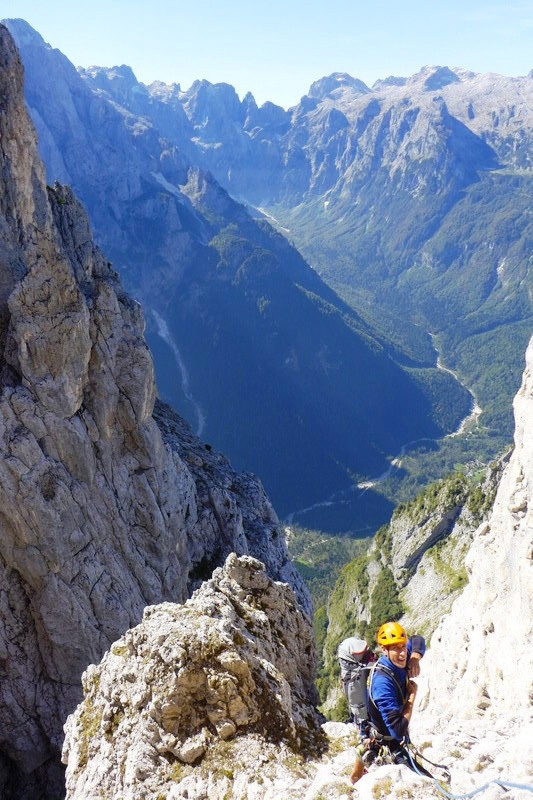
(391, 696)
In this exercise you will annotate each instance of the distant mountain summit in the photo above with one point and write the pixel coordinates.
(326, 87)
(435, 78)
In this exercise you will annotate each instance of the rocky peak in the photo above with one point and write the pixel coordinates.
(164, 90)
(329, 86)
(120, 82)
(392, 80)
(25, 33)
(194, 690)
(208, 104)
(268, 117)
(434, 78)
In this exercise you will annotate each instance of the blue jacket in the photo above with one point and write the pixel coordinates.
(388, 693)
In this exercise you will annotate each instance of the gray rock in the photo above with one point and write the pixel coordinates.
(231, 664)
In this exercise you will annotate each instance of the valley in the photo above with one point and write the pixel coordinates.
(371, 501)
(292, 382)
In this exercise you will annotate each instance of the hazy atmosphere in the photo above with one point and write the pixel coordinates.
(274, 50)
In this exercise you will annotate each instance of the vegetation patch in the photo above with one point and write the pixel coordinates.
(318, 557)
(382, 788)
(454, 578)
(386, 603)
(89, 722)
(447, 493)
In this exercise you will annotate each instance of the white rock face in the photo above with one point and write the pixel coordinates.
(488, 637)
(479, 685)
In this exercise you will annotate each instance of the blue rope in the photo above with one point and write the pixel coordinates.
(503, 784)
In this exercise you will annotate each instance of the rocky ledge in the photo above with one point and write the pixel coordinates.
(198, 694)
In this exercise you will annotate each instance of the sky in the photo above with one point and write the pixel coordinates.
(277, 48)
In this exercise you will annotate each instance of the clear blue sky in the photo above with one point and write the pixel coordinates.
(277, 48)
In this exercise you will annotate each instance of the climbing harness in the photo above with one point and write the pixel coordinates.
(505, 785)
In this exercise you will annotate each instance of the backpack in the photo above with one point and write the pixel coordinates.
(355, 658)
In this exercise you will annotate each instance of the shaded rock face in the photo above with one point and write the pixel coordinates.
(233, 662)
(103, 509)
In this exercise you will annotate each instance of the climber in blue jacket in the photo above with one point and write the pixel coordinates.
(392, 690)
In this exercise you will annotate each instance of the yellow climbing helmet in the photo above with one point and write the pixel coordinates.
(391, 633)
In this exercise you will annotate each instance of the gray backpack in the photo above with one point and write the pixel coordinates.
(355, 658)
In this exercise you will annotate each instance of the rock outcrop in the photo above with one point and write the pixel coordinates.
(413, 568)
(206, 699)
(104, 510)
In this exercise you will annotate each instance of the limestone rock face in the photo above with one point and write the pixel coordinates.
(186, 693)
(478, 692)
(103, 509)
(485, 643)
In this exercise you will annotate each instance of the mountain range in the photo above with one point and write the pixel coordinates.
(263, 357)
(412, 198)
(112, 510)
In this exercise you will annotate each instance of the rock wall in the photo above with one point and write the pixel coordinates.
(482, 654)
(477, 687)
(104, 510)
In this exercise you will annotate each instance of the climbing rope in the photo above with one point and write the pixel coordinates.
(409, 746)
(502, 784)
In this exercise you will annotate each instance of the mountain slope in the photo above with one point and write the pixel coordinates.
(475, 714)
(412, 198)
(261, 355)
